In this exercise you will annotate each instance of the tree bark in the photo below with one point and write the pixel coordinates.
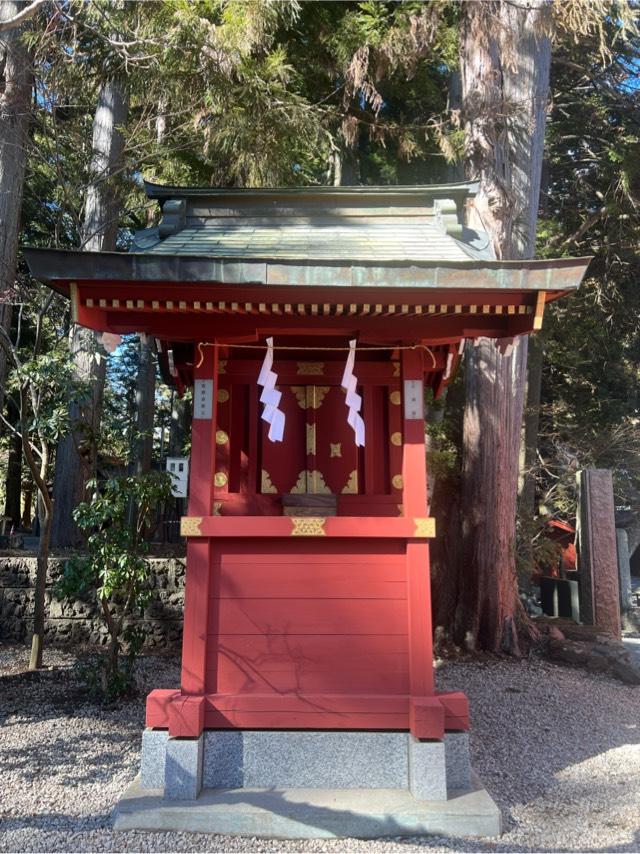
(15, 115)
(13, 483)
(45, 513)
(145, 405)
(37, 639)
(505, 61)
(76, 458)
(531, 426)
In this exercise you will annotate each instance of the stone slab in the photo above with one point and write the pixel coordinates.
(311, 813)
(457, 760)
(223, 760)
(153, 757)
(319, 760)
(624, 569)
(183, 768)
(427, 770)
(597, 551)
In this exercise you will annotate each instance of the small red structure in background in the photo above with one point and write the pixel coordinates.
(564, 535)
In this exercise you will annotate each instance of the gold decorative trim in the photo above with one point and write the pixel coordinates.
(540, 304)
(316, 484)
(190, 526)
(395, 398)
(222, 366)
(425, 527)
(301, 484)
(220, 478)
(311, 396)
(311, 438)
(223, 395)
(266, 486)
(312, 482)
(73, 296)
(396, 439)
(335, 449)
(217, 506)
(396, 369)
(221, 437)
(311, 368)
(400, 509)
(351, 487)
(308, 526)
(397, 481)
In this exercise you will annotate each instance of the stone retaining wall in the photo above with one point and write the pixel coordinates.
(77, 622)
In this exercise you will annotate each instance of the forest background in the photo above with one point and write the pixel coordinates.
(97, 96)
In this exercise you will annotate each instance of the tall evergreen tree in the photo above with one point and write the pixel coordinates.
(15, 114)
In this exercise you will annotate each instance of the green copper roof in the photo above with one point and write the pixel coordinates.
(314, 224)
(387, 238)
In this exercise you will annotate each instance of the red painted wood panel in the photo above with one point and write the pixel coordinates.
(338, 647)
(364, 704)
(320, 718)
(304, 619)
(303, 550)
(316, 580)
(301, 677)
(308, 616)
(332, 586)
(311, 711)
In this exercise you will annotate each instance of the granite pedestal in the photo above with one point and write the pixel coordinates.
(307, 784)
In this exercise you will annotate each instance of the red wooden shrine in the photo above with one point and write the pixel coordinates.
(307, 601)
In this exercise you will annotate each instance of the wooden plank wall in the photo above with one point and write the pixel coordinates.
(291, 617)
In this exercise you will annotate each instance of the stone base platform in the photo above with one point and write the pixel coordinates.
(304, 759)
(296, 784)
(311, 813)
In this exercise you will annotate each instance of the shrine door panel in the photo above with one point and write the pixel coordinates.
(318, 454)
(283, 464)
(285, 618)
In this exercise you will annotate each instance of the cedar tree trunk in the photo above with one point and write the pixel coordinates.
(15, 114)
(505, 61)
(76, 460)
(145, 404)
(13, 482)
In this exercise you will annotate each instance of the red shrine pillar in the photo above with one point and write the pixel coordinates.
(414, 479)
(186, 711)
(430, 713)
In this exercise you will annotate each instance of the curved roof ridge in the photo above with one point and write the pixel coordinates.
(457, 189)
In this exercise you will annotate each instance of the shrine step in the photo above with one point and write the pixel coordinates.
(311, 813)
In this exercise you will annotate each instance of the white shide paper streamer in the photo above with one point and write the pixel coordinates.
(353, 400)
(271, 396)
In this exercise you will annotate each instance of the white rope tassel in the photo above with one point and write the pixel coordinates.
(353, 400)
(271, 396)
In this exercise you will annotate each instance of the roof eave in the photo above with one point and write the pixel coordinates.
(58, 267)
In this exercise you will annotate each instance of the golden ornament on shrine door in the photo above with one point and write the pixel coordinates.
(266, 485)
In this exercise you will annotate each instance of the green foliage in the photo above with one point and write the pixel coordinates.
(590, 392)
(116, 569)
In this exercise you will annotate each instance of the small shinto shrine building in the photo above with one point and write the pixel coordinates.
(307, 652)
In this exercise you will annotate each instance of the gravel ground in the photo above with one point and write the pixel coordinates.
(559, 750)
